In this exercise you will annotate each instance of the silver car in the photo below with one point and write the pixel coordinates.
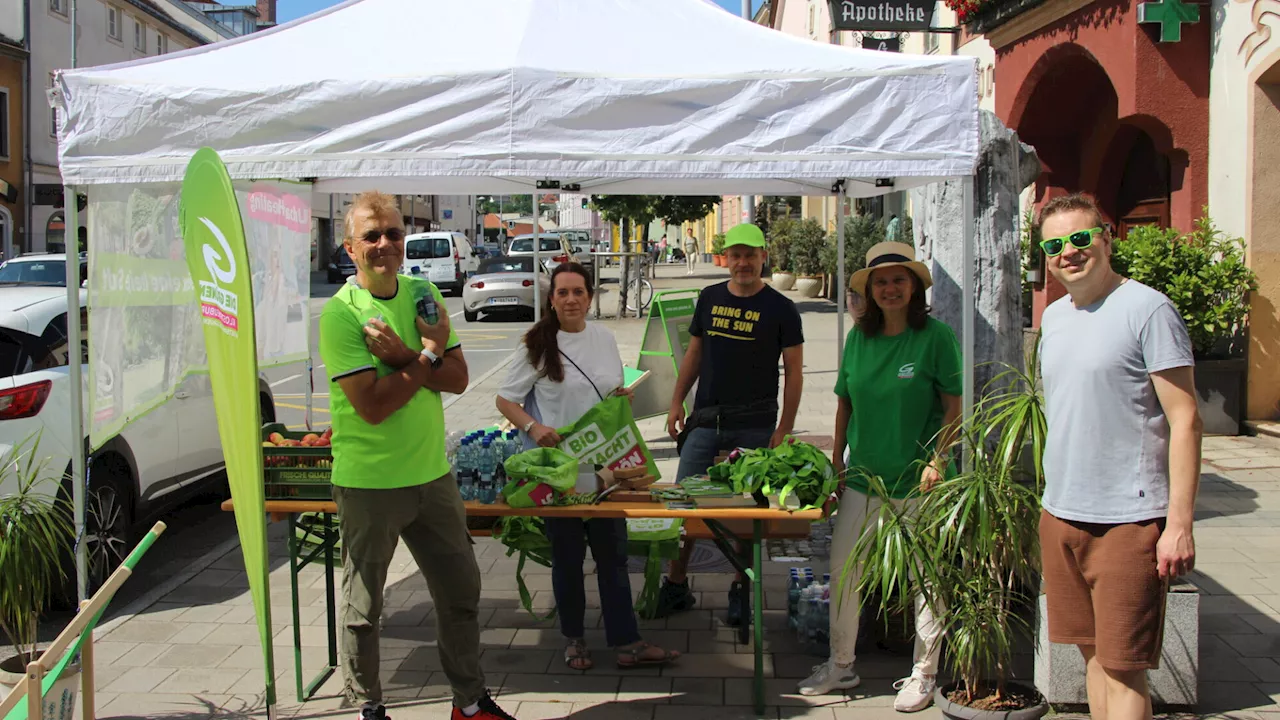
(502, 284)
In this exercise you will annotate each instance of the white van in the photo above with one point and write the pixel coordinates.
(444, 258)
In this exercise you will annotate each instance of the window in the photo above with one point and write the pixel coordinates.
(812, 19)
(930, 43)
(113, 23)
(139, 36)
(53, 112)
(58, 6)
(162, 44)
(4, 123)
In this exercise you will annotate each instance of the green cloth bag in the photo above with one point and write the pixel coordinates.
(538, 476)
(607, 436)
(527, 536)
(655, 539)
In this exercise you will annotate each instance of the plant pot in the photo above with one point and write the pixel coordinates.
(1220, 391)
(956, 711)
(60, 703)
(809, 285)
(719, 260)
(783, 280)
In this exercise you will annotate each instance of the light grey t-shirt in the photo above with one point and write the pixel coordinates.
(1107, 455)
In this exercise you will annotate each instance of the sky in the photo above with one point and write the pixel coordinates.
(287, 10)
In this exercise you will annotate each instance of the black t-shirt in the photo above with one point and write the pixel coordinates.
(742, 340)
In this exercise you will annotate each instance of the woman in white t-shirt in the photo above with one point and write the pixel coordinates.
(568, 367)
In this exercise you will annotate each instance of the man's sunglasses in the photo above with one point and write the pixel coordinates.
(392, 234)
(1080, 240)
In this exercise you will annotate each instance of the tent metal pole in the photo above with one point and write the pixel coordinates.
(71, 244)
(968, 263)
(840, 289)
(537, 260)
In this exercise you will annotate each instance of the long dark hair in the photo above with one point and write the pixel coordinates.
(872, 321)
(540, 341)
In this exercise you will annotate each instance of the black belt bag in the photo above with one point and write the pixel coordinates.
(715, 415)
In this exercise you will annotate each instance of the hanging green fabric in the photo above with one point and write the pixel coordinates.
(655, 539)
(527, 536)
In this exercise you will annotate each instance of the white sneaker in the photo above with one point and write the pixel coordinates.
(915, 693)
(828, 677)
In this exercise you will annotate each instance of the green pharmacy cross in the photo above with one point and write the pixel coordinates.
(1171, 14)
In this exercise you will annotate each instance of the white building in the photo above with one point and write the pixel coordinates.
(108, 31)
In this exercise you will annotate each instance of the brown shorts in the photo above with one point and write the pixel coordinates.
(1102, 588)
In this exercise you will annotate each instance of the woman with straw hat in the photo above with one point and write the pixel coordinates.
(899, 389)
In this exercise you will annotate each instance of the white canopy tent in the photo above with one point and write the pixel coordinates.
(610, 96)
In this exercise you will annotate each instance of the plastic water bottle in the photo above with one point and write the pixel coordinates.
(514, 447)
(793, 597)
(824, 626)
(826, 586)
(815, 615)
(802, 615)
(488, 495)
(465, 486)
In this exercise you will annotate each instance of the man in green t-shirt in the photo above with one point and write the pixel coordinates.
(387, 367)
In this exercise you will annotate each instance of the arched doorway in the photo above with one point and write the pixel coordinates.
(55, 233)
(1143, 195)
(1263, 248)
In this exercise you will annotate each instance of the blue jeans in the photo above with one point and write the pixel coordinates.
(608, 540)
(703, 445)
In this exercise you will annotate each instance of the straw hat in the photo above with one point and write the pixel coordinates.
(889, 254)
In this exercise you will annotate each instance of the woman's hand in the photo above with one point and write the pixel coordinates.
(627, 393)
(833, 501)
(931, 476)
(544, 436)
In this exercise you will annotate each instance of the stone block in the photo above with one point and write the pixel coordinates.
(1060, 675)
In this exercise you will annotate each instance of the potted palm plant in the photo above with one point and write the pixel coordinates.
(36, 532)
(717, 249)
(971, 548)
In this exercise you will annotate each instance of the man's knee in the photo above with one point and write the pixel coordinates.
(1135, 680)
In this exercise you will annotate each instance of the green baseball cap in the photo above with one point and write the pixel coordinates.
(744, 234)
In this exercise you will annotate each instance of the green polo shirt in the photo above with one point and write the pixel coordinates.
(408, 448)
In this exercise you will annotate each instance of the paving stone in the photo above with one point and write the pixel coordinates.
(693, 712)
(697, 691)
(555, 688)
(198, 656)
(780, 692)
(138, 680)
(717, 666)
(144, 632)
(496, 660)
(656, 690)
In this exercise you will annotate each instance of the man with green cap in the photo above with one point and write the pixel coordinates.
(739, 330)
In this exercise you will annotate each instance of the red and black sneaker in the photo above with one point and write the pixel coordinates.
(489, 710)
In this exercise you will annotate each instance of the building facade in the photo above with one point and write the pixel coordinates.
(1244, 172)
(13, 73)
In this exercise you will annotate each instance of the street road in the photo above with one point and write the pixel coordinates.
(198, 526)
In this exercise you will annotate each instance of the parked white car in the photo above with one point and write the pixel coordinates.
(444, 258)
(160, 459)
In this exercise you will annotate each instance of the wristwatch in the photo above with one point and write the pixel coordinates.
(436, 361)
(528, 426)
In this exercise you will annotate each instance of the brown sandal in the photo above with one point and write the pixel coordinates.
(633, 656)
(577, 656)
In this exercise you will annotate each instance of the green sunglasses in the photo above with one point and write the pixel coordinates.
(1080, 239)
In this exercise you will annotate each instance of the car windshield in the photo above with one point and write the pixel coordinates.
(36, 272)
(506, 265)
(525, 245)
(427, 249)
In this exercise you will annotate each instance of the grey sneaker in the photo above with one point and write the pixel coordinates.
(829, 677)
(915, 693)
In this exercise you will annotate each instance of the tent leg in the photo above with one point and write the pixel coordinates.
(840, 289)
(71, 243)
(968, 263)
(537, 259)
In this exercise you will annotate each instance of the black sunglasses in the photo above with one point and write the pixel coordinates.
(393, 234)
(1080, 240)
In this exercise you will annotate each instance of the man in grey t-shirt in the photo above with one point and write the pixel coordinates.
(1121, 463)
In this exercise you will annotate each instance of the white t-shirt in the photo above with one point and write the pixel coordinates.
(1106, 459)
(596, 352)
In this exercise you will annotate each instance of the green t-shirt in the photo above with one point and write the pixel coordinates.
(408, 447)
(895, 386)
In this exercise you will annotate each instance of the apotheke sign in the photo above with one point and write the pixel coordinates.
(899, 15)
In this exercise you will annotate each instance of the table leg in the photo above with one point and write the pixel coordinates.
(297, 619)
(330, 541)
(757, 610)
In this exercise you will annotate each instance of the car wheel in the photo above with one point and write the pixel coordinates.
(471, 315)
(108, 519)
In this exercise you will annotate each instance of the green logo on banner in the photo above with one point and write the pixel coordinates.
(214, 241)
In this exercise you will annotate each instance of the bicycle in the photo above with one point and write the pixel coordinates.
(639, 287)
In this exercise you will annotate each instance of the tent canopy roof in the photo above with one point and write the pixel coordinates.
(618, 96)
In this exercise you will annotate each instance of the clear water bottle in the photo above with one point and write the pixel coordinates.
(488, 494)
(826, 586)
(793, 597)
(814, 617)
(824, 625)
(466, 486)
(499, 445)
(802, 615)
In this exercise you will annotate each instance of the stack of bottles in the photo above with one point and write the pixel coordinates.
(477, 459)
(809, 609)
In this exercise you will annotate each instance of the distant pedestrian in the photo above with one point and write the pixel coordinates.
(690, 252)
